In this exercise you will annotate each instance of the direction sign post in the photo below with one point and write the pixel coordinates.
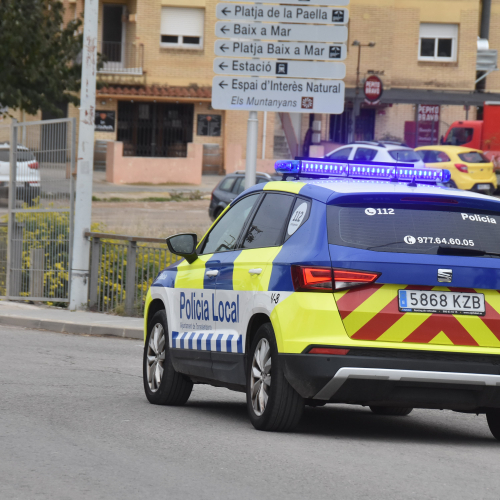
(282, 13)
(281, 31)
(289, 95)
(336, 3)
(270, 67)
(283, 55)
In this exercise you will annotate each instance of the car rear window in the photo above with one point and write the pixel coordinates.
(409, 230)
(405, 155)
(227, 184)
(22, 155)
(473, 157)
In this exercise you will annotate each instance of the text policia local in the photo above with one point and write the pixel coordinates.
(199, 308)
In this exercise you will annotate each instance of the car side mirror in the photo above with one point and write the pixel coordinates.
(184, 245)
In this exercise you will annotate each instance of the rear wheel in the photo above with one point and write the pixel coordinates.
(162, 384)
(272, 403)
(396, 411)
(493, 419)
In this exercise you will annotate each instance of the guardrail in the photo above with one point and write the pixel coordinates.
(122, 269)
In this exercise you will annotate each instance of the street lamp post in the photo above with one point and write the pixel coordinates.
(356, 107)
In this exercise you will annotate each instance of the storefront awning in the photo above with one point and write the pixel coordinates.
(155, 92)
(419, 96)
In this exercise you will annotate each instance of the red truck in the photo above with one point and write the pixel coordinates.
(479, 134)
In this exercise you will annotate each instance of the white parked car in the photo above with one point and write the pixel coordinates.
(28, 173)
(386, 151)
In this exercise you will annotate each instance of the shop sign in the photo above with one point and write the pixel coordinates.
(209, 125)
(428, 124)
(373, 89)
(104, 121)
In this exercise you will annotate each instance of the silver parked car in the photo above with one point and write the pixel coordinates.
(27, 177)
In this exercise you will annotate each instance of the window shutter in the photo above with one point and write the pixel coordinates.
(430, 30)
(182, 21)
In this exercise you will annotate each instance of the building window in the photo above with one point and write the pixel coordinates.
(438, 42)
(155, 129)
(182, 27)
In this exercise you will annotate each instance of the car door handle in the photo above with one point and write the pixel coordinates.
(257, 270)
(212, 272)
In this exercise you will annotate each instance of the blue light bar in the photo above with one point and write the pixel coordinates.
(366, 170)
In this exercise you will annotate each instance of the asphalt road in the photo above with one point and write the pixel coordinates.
(74, 424)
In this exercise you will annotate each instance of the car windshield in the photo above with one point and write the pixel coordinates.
(392, 228)
(459, 136)
(405, 155)
(473, 157)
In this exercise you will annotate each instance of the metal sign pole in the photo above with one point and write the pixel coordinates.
(251, 163)
(83, 196)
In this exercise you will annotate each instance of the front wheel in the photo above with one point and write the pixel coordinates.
(272, 403)
(162, 384)
(493, 419)
(395, 411)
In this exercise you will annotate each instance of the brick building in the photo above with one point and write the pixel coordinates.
(155, 84)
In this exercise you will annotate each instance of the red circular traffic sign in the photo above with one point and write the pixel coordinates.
(373, 88)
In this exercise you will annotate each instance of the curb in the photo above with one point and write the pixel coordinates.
(75, 328)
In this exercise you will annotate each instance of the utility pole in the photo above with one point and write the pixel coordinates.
(251, 162)
(85, 166)
(357, 104)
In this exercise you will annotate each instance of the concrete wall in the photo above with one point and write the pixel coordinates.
(146, 170)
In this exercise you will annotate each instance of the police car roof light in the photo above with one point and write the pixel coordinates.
(362, 170)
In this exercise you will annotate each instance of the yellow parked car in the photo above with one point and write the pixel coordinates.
(470, 169)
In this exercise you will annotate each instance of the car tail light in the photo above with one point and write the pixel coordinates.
(34, 165)
(328, 350)
(325, 279)
(345, 278)
(463, 168)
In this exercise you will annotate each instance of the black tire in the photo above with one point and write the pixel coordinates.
(395, 411)
(284, 406)
(493, 419)
(174, 388)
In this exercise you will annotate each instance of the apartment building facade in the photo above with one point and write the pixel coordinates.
(154, 92)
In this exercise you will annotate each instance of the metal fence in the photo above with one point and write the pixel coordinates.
(40, 209)
(122, 269)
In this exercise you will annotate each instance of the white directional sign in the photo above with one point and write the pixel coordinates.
(270, 67)
(335, 3)
(282, 13)
(287, 95)
(281, 31)
(282, 50)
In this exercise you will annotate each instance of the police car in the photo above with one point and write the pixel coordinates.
(359, 283)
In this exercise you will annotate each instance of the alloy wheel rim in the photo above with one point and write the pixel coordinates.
(260, 378)
(156, 357)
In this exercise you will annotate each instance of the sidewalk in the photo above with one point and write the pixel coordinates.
(59, 320)
(101, 188)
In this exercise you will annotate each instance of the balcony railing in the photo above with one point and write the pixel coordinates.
(122, 58)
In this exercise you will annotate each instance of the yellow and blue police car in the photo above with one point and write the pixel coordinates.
(359, 283)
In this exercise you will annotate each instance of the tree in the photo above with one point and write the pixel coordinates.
(38, 55)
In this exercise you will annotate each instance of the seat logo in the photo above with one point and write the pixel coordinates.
(445, 275)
